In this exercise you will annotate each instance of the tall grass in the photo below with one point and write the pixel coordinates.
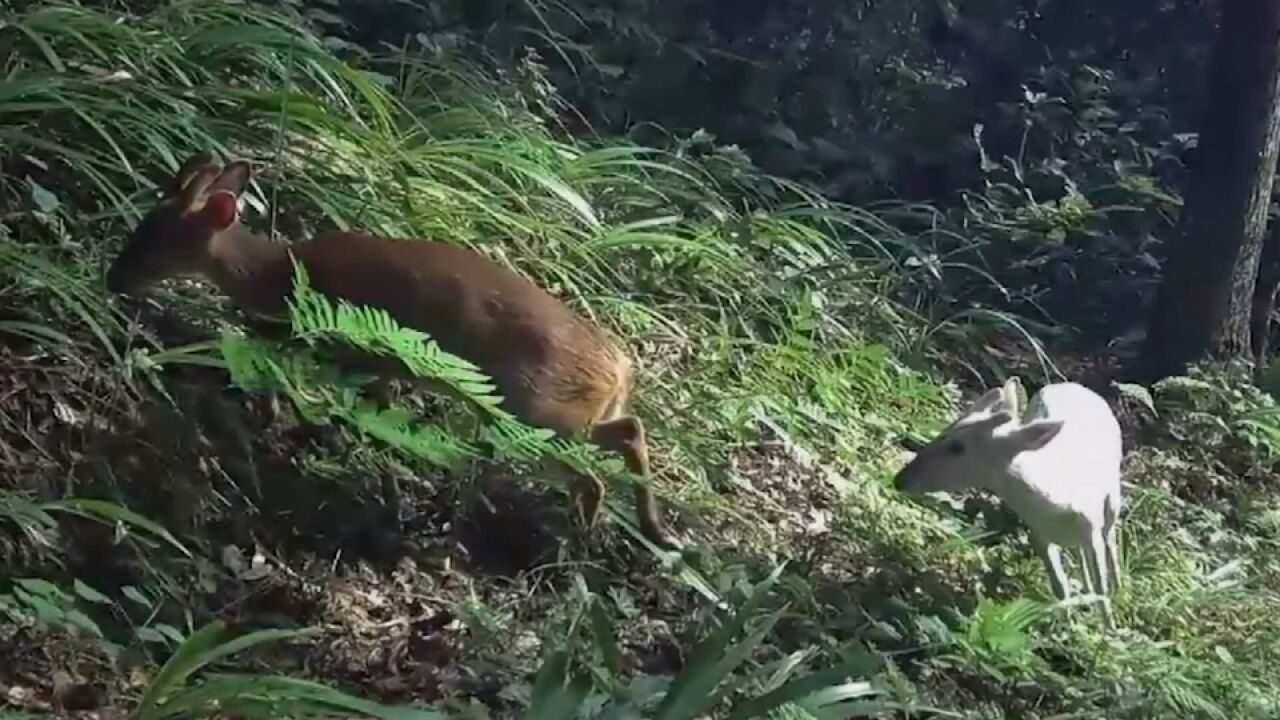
(673, 252)
(707, 269)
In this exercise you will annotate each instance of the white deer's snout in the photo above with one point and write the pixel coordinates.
(959, 458)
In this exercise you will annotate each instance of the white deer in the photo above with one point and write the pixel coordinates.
(1058, 469)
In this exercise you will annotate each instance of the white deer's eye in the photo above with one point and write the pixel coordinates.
(955, 447)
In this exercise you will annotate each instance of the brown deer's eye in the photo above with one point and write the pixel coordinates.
(955, 447)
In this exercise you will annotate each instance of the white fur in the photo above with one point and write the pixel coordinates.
(1058, 468)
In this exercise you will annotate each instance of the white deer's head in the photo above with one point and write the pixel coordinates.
(978, 447)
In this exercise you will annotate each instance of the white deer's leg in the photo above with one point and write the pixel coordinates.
(1051, 555)
(1085, 557)
(1110, 527)
(1097, 563)
(1113, 555)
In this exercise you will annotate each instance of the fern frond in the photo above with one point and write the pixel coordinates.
(315, 318)
(320, 393)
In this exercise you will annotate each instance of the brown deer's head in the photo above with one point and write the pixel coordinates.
(175, 237)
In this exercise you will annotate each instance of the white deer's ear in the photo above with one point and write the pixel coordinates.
(1012, 392)
(999, 418)
(987, 402)
(1034, 435)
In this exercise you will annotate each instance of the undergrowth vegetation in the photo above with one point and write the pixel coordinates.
(197, 520)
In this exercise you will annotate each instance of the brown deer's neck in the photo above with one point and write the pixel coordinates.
(253, 270)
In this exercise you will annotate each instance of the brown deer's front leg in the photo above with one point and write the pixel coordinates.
(625, 436)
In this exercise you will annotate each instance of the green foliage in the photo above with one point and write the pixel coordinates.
(1225, 413)
(1051, 133)
(30, 272)
(177, 692)
(996, 635)
(32, 520)
(47, 604)
(706, 681)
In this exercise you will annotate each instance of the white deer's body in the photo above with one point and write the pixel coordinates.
(1058, 468)
(1064, 487)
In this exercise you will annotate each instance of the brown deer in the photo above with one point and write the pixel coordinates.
(553, 368)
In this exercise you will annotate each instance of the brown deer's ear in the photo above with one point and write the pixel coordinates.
(221, 210)
(187, 172)
(196, 185)
(233, 178)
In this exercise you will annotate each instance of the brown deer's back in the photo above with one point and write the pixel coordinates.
(553, 367)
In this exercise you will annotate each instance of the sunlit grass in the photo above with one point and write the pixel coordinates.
(636, 237)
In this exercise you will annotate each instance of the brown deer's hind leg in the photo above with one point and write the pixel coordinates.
(588, 498)
(625, 436)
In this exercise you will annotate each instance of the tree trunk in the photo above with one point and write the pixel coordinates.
(1264, 295)
(1206, 295)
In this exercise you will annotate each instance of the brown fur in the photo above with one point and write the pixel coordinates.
(552, 367)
